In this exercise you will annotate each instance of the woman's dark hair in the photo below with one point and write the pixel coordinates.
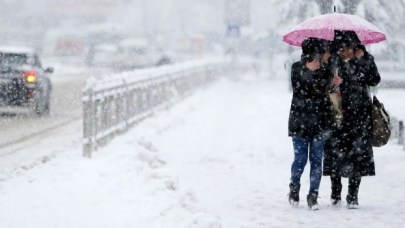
(345, 39)
(314, 48)
(360, 47)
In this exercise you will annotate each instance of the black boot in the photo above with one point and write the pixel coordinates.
(312, 200)
(336, 201)
(294, 195)
(335, 198)
(352, 196)
(352, 202)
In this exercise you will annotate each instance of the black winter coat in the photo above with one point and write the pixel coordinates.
(310, 113)
(349, 150)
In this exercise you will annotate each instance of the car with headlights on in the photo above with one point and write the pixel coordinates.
(24, 83)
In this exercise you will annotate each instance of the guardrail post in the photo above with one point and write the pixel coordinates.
(164, 92)
(394, 132)
(88, 123)
(144, 99)
(152, 95)
(111, 110)
(134, 106)
(125, 106)
(149, 97)
(401, 133)
(97, 122)
(123, 111)
(141, 100)
(119, 110)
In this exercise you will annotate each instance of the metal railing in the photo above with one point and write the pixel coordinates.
(113, 104)
(397, 131)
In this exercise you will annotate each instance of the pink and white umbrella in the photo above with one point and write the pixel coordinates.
(323, 27)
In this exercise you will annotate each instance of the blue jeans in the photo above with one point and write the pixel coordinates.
(301, 146)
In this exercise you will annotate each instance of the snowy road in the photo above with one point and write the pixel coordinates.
(221, 158)
(65, 107)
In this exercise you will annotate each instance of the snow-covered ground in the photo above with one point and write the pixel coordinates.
(220, 158)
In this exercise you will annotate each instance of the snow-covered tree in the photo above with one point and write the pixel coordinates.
(325, 6)
(292, 12)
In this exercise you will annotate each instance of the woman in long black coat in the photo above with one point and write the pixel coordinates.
(349, 151)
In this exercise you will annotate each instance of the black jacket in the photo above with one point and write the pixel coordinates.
(349, 150)
(310, 113)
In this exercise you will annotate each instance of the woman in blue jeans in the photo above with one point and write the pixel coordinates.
(310, 116)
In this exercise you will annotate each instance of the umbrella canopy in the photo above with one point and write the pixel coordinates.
(323, 27)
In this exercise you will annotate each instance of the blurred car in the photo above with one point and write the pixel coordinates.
(134, 53)
(103, 55)
(163, 57)
(139, 53)
(24, 83)
(294, 57)
(164, 60)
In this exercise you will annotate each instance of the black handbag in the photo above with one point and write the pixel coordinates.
(381, 124)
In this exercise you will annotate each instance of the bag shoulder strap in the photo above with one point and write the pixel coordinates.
(369, 93)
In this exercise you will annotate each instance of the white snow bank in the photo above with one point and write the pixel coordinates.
(125, 184)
